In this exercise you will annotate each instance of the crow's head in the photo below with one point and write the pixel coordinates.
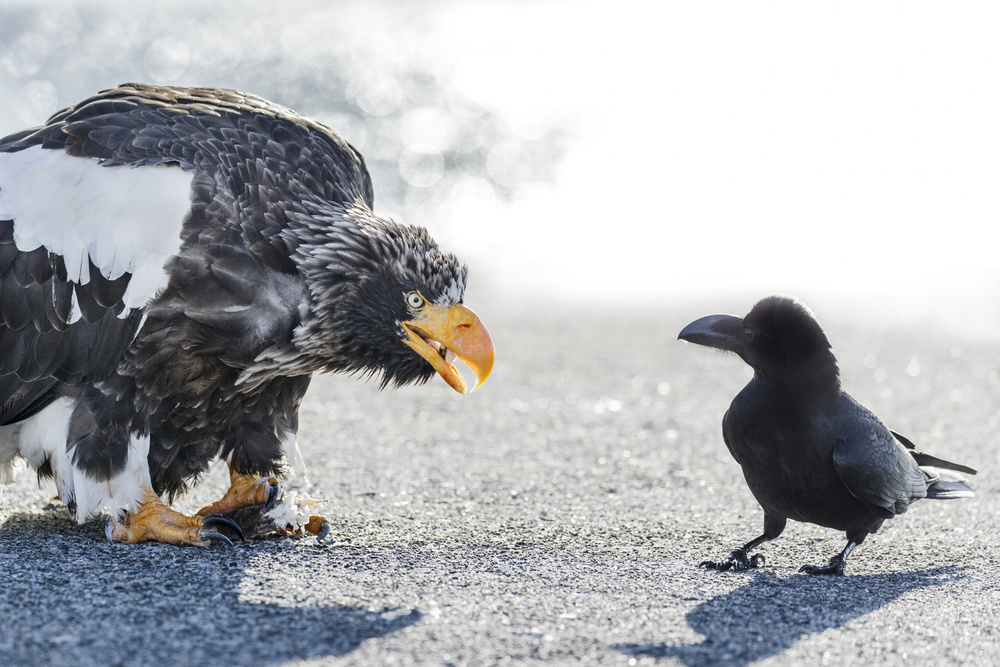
(779, 338)
(384, 300)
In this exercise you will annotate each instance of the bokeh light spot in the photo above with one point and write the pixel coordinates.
(376, 96)
(509, 164)
(166, 60)
(26, 55)
(36, 102)
(428, 126)
(421, 166)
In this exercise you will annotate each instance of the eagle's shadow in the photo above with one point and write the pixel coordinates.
(67, 592)
(769, 614)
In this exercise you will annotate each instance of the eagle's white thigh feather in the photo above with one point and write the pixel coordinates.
(120, 493)
(43, 438)
(9, 438)
(124, 219)
(296, 464)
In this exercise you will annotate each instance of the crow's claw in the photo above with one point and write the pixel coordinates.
(737, 561)
(834, 567)
(221, 521)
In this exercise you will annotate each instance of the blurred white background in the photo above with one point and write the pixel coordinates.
(637, 152)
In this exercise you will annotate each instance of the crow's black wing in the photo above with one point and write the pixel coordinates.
(872, 464)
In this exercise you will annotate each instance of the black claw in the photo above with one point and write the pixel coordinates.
(323, 531)
(835, 567)
(715, 565)
(219, 520)
(736, 561)
(212, 535)
(273, 492)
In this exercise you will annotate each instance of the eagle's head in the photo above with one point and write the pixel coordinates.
(384, 300)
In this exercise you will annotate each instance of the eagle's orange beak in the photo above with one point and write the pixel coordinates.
(440, 335)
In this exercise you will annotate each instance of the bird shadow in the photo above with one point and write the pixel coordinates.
(770, 614)
(70, 598)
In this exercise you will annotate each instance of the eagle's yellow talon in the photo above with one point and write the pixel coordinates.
(155, 522)
(318, 526)
(244, 491)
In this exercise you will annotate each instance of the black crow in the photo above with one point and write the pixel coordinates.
(175, 264)
(808, 450)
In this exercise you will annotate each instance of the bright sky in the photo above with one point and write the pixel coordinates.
(848, 148)
(721, 150)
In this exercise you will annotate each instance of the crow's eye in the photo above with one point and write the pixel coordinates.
(750, 335)
(414, 300)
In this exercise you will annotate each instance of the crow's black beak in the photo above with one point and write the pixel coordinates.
(724, 332)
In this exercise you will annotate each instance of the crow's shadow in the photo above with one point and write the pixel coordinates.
(769, 615)
(69, 597)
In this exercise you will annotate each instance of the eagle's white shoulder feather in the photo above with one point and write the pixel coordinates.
(123, 219)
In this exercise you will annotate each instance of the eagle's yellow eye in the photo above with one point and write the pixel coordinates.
(414, 300)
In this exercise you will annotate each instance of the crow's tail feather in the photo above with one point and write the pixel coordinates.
(925, 459)
(948, 486)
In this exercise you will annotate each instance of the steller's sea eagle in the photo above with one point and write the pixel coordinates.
(175, 263)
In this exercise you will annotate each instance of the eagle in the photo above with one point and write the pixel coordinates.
(175, 264)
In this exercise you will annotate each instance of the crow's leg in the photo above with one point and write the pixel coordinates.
(739, 559)
(153, 521)
(836, 564)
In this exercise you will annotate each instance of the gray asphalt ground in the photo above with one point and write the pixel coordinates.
(556, 515)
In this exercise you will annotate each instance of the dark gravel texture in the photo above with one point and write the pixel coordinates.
(558, 515)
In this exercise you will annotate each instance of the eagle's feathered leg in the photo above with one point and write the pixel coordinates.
(155, 522)
(245, 491)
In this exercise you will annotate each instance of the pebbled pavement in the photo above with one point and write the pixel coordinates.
(556, 515)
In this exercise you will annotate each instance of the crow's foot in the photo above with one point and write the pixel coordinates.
(153, 521)
(737, 561)
(834, 567)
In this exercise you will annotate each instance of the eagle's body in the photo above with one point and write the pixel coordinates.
(174, 264)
